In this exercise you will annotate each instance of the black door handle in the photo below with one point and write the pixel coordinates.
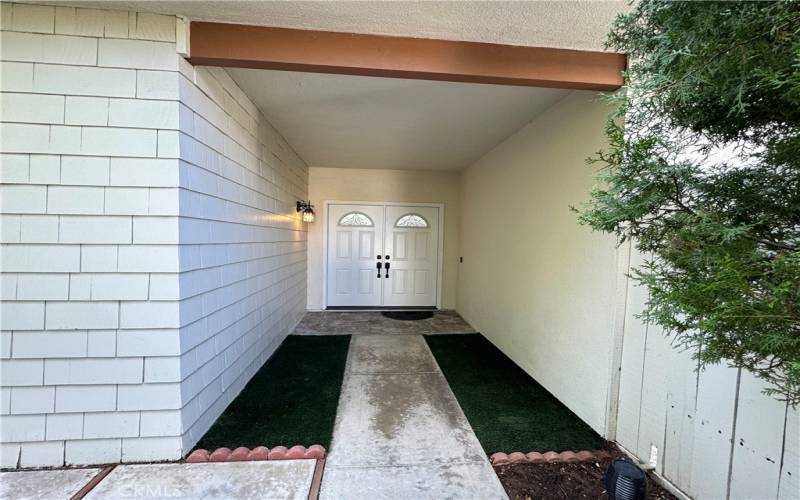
(387, 270)
(378, 265)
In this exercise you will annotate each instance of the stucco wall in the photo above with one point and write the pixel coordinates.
(537, 284)
(412, 186)
(151, 255)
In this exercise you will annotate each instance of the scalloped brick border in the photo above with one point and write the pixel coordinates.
(550, 456)
(243, 454)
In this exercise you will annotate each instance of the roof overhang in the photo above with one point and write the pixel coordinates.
(262, 47)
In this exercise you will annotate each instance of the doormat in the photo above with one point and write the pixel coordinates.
(408, 315)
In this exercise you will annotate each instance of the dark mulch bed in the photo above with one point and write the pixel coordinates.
(563, 481)
(507, 409)
(291, 400)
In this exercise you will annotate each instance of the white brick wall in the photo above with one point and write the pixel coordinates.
(243, 282)
(151, 258)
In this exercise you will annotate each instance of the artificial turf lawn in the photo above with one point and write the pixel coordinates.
(507, 409)
(291, 400)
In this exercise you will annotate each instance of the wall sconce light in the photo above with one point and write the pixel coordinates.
(307, 209)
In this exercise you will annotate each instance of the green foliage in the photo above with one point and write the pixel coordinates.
(702, 171)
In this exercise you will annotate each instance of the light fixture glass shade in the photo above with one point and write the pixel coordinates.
(308, 215)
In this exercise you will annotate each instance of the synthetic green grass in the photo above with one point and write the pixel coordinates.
(291, 400)
(507, 409)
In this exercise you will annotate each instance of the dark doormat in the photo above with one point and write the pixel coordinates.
(408, 315)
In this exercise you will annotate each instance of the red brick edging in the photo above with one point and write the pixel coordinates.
(243, 454)
(534, 457)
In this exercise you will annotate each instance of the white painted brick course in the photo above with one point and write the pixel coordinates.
(62, 426)
(9, 455)
(86, 110)
(154, 27)
(10, 228)
(149, 397)
(143, 113)
(40, 258)
(160, 423)
(156, 85)
(41, 48)
(149, 315)
(46, 453)
(93, 451)
(98, 258)
(84, 171)
(21, 315)
(33, 18)
(162, 369)
(127, 201)
(118, 142)
(85, 398)
(119, 286)
(16, 77)
(38, 229)
(83, 22)
(5, 344)
(45, 169)
(153, 342)
(32, 108)
(42, 286)
(163, 201)
(21, 428)
(154, 448)
(23, 199)
(32, 400)
(101, 343)
(143, 258)
(155, 230)
(81, 80)
(144, 172)
(14, 168)
(75, 200)
(109, 425)
(139, 54)
(81, 315)
(93, 371)
(50, 344)
(99, 229)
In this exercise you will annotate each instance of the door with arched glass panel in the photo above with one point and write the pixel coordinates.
(355, 240)
(412, 246)
(382, 255)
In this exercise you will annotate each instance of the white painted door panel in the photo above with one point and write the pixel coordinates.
(355, 239)
(412, 246)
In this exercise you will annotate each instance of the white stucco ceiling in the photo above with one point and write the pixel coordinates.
(573, 24)
(367, 122)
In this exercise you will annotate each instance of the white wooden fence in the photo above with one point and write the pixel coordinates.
(713, 433)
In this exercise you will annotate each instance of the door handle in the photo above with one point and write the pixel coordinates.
(379, 269)
(387, 270)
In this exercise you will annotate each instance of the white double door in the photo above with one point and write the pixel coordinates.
(382, 255)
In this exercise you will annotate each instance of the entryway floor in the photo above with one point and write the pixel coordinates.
(373, 322)
(399, 431)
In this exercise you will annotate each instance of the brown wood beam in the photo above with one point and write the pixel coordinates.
(242, 46)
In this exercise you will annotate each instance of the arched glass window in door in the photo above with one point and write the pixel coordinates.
(411, 220)
(355, 219)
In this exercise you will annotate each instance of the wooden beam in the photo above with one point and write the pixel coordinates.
(242, 46)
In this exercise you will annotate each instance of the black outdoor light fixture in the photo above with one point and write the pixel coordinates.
(625, 481)
(307, 209)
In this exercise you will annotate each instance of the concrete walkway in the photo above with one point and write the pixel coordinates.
(274, 479)
(400, 432)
